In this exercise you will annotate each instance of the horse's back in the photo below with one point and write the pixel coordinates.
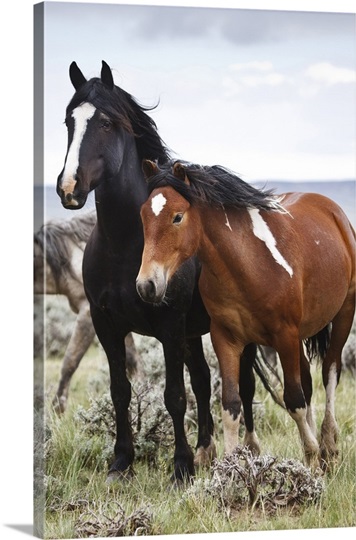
(316, 203)
(319, 210)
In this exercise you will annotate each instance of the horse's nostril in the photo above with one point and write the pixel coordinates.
(147, 290)
(69, 197)
(151, 289)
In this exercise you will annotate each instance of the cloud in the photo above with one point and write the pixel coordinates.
(321, 76)
(328, 74)
(254, 65)
(237, 26)
(250, 75)
(248, 27)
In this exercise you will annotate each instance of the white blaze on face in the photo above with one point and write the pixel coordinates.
(158, 203)
(263, 232)
(81, 115)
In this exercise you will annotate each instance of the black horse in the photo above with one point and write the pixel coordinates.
(109, 135)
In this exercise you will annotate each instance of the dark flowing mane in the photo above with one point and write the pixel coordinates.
(124, 110)
(53, 239)
(214, 186)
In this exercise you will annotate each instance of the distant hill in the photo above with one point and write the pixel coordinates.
(343, 192)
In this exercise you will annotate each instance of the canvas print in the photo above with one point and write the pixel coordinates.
(194, 270)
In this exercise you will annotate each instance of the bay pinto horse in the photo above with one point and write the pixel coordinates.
(58, 257)
(109, 135)
(275, 271)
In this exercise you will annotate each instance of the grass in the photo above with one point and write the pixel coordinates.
(80, 503)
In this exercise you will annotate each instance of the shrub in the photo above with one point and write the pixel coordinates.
(241, 479)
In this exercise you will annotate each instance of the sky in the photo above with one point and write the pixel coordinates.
(268, 93)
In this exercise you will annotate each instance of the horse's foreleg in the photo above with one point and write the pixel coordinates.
(200, 380)
(80, 340)
(174, 347)
(228, 353)
(247, 391)
(111, 336)
(294, 398)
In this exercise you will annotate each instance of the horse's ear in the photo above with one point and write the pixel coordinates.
(106, 75)
(180, 172)
(149, 168)
(76, 76)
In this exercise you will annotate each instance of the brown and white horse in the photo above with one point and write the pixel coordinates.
(275, 271)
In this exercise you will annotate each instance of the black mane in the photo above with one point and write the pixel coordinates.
(53, 238)
(124, 110)
(214, 186)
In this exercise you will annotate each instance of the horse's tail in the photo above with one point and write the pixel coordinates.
(317, 346)
(264, 369)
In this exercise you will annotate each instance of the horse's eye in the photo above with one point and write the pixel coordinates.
(106, 124)
(178, 218)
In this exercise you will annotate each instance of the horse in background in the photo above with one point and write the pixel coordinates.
(58, 255)
(278, 271)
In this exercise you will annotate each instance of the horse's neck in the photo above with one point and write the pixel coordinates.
(225, 237)
(118, 204)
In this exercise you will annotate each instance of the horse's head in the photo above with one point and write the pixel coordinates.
(171, 233)
(94, 124)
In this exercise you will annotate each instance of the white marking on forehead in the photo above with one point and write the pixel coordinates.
(263, 232)
(158, 203)
(81, 115)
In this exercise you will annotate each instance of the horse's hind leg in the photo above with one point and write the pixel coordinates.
(307, 385)
(288, 348)
(133, 364)
(247, 391)
(80, 340)
(200, 380)
(341, 326)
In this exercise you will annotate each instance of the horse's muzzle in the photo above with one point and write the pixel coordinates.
(153, 288)
(71, 201)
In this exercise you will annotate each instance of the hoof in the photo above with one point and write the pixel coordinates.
(178, 484)
(59, 404)
(252, 443)
(328, 460)
(120, 476)
(312, 460)
(182, 476)
(205, 456)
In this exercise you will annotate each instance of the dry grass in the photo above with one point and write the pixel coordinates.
(79, 446)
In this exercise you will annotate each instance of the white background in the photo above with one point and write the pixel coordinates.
(16, 264)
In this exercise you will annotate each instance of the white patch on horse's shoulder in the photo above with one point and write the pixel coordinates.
(158, 203)
(263, 232)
